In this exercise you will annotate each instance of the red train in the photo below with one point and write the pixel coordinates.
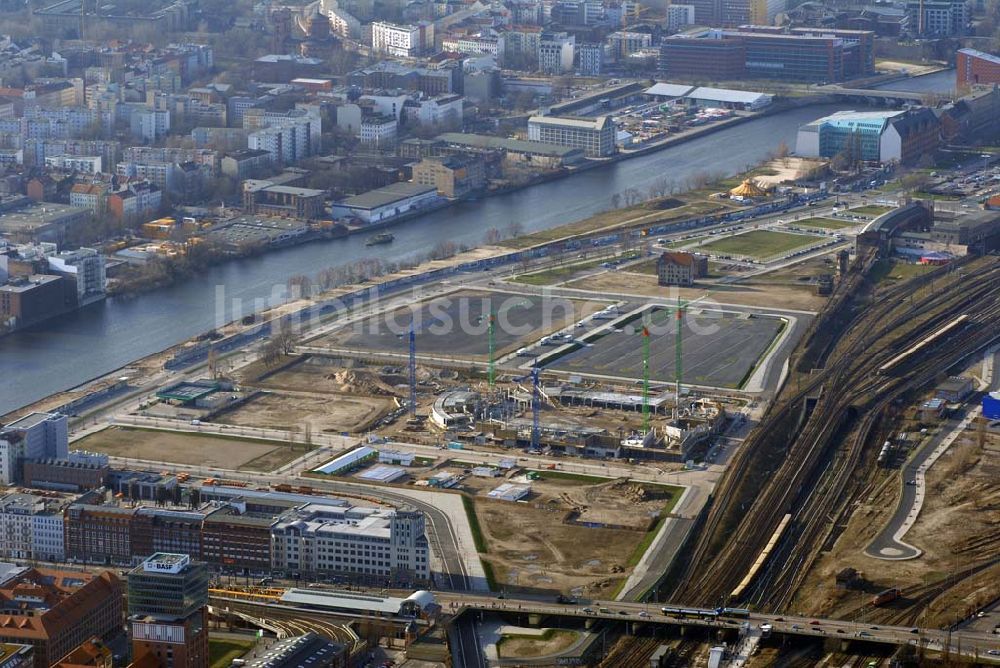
(886, 596)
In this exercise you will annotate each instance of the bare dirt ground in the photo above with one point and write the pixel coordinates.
(958, 526)
(555, 640)
(531, 548)
(787, 169)
(184, 448)
(318, 376)
(792, 297)
(325, 413)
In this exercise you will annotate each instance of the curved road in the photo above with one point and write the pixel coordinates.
(889, 544)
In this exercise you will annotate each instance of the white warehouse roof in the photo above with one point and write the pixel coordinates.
(353, 457)
(727, 95)
(668, 90)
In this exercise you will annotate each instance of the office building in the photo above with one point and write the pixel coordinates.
(974, 68)
(371, 544)
(55, 611)
(716, 58)
(762, 52)
(875, 136)
(84, 272)
(35, 436)
(594, 136)
(235, 538)
(168, 611)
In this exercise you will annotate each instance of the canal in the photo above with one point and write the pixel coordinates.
(96, 340)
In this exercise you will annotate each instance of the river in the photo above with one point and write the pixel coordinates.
(942, 82)
(93, 341)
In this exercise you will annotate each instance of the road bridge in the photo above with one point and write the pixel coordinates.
(873, 95)
(982, 646)
(972, 644)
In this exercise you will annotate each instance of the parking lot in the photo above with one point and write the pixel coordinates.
(458, 324)
(719, 349)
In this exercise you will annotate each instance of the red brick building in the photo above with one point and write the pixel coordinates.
(974, 67)
(56, 611)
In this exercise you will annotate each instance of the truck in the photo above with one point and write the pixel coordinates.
(886, 596)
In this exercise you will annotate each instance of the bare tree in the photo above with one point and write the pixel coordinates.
(493, 236)
(515, 229)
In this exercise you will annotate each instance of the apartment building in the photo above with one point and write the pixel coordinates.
(556, 51)
(401, 41)
(85, 164)
(32, 527)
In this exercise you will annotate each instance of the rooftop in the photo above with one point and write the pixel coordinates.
(515, 145)
(725, 95)
(669, 89)
(386, 195)
(299, 652)
(361, 603)
(975, 53)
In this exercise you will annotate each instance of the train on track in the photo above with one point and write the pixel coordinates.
(707, 614)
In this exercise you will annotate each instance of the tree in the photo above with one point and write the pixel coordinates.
(492, 236)
(515, 229)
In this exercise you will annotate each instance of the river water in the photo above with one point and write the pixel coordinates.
(942, 82)
(96, 340)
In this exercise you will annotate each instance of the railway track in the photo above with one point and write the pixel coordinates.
(630, 652)
(817, 482)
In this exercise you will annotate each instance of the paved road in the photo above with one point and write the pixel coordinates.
(888, 544)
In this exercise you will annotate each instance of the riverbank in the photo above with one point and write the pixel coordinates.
(237, 335)
(93, 341)
(163, 272)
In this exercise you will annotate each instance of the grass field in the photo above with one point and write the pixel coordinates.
(221, 652)
(871, 210)
(189, 448)
(893, 270)
(758, 243)
(565, 272)
(825, 223)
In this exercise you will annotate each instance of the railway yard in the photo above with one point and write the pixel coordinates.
(747, 446)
